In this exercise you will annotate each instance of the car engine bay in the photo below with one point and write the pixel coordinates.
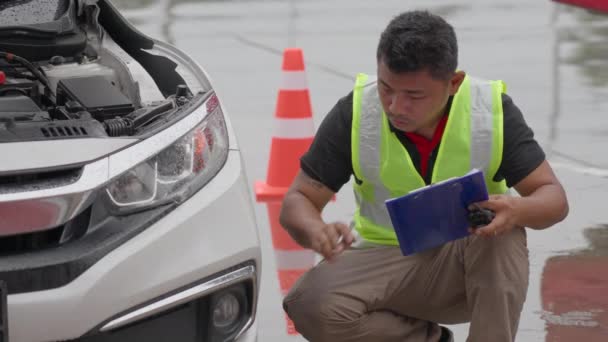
(64, 76)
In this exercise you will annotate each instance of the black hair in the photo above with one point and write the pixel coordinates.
(418, 40)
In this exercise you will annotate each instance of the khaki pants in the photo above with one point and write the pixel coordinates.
(378, 295)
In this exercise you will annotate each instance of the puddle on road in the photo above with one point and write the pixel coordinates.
(573, 318)
(586, 45)
(580, 90)
(574, 291)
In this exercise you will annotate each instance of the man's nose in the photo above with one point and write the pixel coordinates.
(400, 103)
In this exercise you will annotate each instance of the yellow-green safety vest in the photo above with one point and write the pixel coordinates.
(473, 138)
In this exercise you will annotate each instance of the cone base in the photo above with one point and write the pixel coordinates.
(267, 193)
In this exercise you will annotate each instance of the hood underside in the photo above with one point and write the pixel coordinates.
(78, 82)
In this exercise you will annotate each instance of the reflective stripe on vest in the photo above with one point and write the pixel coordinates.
(473, 133)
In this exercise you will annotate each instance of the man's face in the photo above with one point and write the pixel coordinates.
(414, 101)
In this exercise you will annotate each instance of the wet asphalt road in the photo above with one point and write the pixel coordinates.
(554, 60)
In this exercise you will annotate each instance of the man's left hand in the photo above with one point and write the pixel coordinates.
(505, 209)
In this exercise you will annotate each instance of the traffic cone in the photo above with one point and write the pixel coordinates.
(292, 136)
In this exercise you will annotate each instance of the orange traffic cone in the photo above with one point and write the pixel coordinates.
(293, 134)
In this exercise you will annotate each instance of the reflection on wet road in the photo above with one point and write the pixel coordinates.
(581, 52)
(554, 59)
(574, 291)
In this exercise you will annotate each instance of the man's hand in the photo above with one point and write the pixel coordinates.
(543, 203)
(330, 239)
(506, 211)
(301, 216)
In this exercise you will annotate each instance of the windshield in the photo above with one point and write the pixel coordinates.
(31, 12)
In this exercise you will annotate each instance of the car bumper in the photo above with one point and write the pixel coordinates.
(210, 235)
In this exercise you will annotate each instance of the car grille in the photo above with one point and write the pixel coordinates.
(39, 180)
(50, 238)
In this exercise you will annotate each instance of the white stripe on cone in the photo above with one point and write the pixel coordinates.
(293, 128)
(294, 80)
(294, 260)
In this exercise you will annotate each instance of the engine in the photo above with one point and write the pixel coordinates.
(62, 77)
(32, 109)
(44, 100)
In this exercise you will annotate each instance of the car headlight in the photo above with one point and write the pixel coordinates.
(175, 173)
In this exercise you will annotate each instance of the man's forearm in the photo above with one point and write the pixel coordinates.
(298, 216)
(543, 208)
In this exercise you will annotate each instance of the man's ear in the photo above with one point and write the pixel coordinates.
(456, 81)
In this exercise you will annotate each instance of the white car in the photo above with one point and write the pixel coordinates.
(125, 213)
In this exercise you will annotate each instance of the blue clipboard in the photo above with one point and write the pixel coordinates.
(436, 214)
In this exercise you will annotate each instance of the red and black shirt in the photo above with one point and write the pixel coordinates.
(329, 158)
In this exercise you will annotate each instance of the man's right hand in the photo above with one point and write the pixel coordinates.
(330, 239)
(301, 216)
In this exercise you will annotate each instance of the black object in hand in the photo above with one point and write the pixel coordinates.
(480, 217)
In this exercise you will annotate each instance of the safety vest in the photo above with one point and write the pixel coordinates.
(473, 138)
